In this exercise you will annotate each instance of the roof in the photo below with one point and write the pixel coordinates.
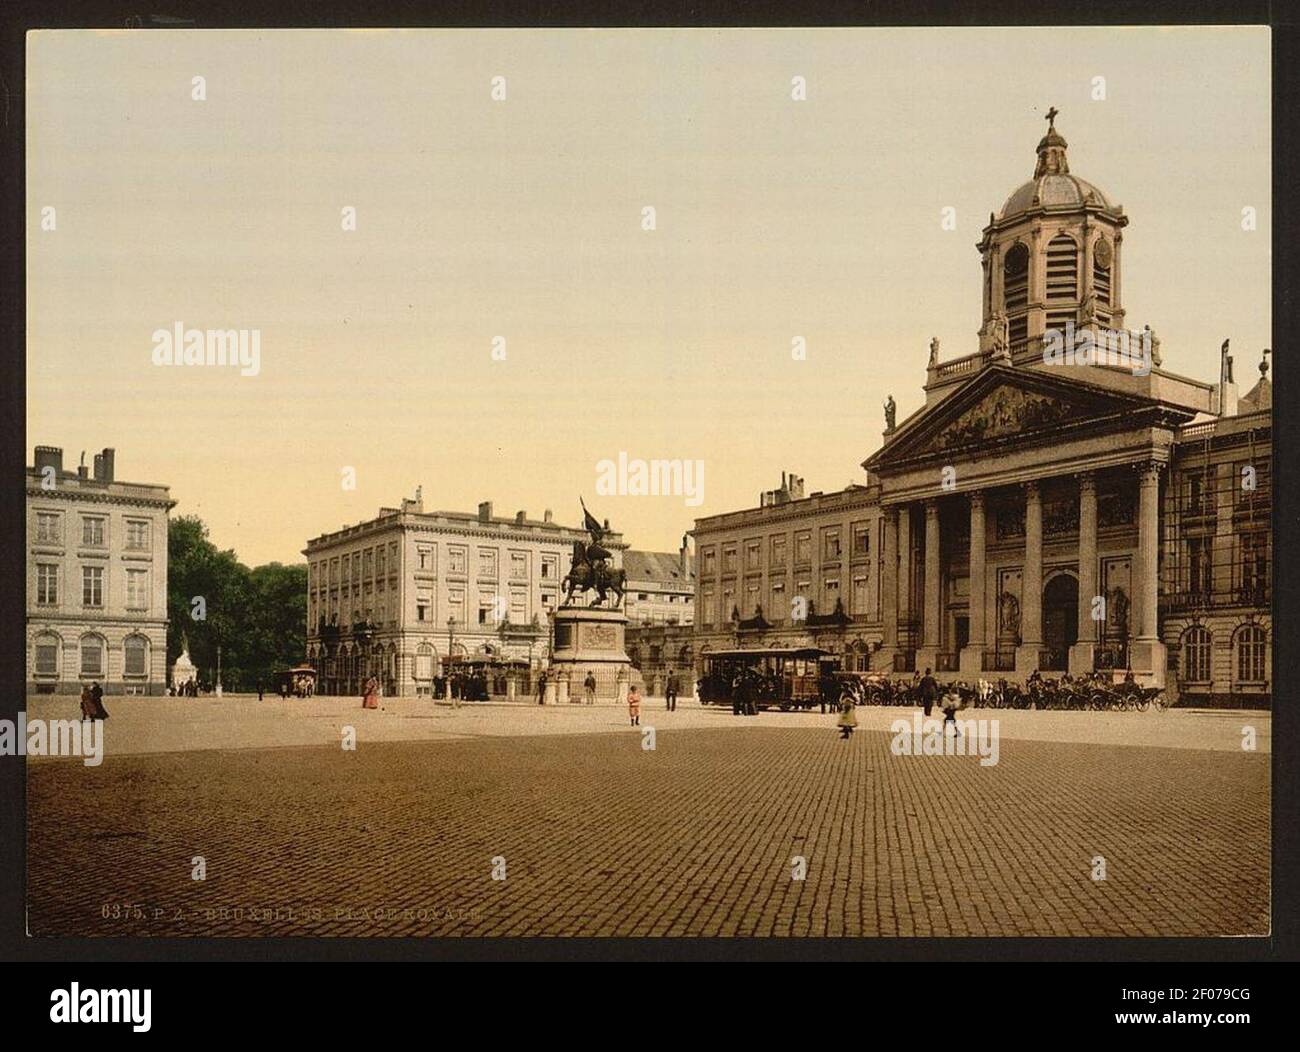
(1258, 399)
(660, 567)
(1055, 191)
(795, 652)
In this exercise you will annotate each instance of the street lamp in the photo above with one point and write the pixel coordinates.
(451, 653)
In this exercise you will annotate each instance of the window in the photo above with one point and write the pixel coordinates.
(1015, 291)
(729, 559)
(1254, 564)
(92, 532)
(754, 554)
(548, 601)
(368, 562)
(137, 535)
(487, 608)
(1251, 650)
(49, 527)
(518, 606)
(487, 562)
(751, 598)
(778, 552)
(710, 611)
(1062, 269)
(379, 562)
(47, 657)
(92, 586)
(708, 561)
(423, 604)
(861, 540)
(423, 557)
(831, 544)
(456, 605)
(777, 602)
(831, 592)
(424, 661)
(137, 589)
(802, 549)
(92, 656)
(456, 556)
(47, 583)
(1196, 655)
(859, 594)
(133, 656)
(550, 567)
(519, 565)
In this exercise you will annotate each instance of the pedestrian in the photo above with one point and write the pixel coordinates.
(951, 704)
(589, 687)
(259, 690)
(87, 708)
(670, 692)
(541, 689)
(828, 690)
(97, 710)
(929, 691)
(737, 695)
(370, 699)
(848, 718)
(634, 705)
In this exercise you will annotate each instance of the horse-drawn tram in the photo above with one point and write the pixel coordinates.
(782, 677)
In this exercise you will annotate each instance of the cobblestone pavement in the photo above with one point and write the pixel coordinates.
(599, 836)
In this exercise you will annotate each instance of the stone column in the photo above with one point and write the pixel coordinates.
(928, 654)
(888, 592)
(905, 573)
(1031, 583)
(1083, 653)
(1148, 653)
(972, 657)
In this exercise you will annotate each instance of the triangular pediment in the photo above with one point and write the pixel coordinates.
(1004, 406)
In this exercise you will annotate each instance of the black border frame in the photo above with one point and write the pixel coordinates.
(54, 14)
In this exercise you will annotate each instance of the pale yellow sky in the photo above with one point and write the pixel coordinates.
(522, 219)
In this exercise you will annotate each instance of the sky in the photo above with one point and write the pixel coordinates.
(481, 220)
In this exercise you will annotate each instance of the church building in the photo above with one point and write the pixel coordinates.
(1061, 502)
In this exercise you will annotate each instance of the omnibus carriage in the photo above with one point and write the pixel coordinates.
(783, 677)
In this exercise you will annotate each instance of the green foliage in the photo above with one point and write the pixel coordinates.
(257, 616)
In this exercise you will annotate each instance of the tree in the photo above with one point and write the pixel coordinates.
(258, 617)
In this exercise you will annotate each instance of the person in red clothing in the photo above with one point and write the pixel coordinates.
(371, 698)
(634, 705)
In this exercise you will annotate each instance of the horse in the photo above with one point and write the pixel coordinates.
(583, 576)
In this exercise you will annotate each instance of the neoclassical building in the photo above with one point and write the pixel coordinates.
(393, 596)
(1061, 501)
(96, 578)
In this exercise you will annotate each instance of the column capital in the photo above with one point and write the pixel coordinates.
(1148, 471)
(1087, 480)
(1030, 490)
(977, 498)
(931, 507)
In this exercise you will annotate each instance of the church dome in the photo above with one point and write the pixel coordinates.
(1052, 185)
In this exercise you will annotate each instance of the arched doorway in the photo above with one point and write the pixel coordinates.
(1060, 619)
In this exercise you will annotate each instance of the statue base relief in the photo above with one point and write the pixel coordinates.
(591, 639)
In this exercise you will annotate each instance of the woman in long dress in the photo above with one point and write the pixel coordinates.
(848, 718)
(371, 697)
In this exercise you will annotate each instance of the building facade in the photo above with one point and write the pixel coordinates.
(1061, 502)
(393, 596)
(660, 587)
(96, 578)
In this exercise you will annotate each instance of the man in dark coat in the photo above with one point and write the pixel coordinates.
(97, 701)
(929, 691)
(671, 691)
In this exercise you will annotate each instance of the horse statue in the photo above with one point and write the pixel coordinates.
(593, 575)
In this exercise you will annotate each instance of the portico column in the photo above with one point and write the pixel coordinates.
(927, 655)
(1083, 652)
(889, 586)
(1031, 583)
(1147, 652)
(905, 573)
(972, 656)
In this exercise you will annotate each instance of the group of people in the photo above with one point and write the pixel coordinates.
(188, 689)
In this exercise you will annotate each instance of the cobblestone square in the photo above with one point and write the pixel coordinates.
(699, 837)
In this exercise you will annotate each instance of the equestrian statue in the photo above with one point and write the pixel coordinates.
(593, 568)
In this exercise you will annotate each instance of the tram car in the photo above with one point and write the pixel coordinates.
(782, 677)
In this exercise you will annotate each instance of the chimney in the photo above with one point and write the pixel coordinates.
(546, 515)
(104, 466)
(485, 511)
(683, 559)
(49, 457)
(1227, 385)
(520, 517)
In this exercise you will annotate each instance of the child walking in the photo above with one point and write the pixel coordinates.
(634, 705)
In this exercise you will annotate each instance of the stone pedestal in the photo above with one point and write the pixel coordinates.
(1149, 661)
(1082, 656)
(562, 678)
(590, 640)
